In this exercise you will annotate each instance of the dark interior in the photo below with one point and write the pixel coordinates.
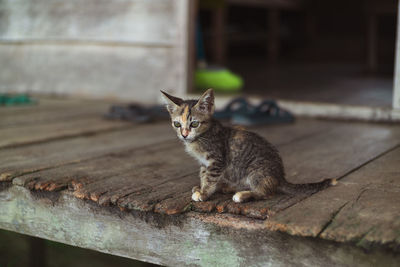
(323, 51)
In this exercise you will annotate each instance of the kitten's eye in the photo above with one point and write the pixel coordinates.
(177, 124)
(194, 124)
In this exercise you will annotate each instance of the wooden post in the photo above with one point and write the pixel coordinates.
(273, 35)
(218, 21)
(191, 45)
(396, 86)
(372, 42)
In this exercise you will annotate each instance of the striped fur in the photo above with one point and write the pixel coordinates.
(230, 158)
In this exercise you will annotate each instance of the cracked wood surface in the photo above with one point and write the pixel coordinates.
(144, 168)
(363, 207)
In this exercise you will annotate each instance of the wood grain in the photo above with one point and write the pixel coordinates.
(361, 208)
(144, 168)
(17, 136)
(335, 153)
(141, 178)
(39, 114)
(372, 218)
(154, 178)
(374, 215)
(32, 158)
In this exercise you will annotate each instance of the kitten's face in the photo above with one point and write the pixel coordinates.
(190, 118)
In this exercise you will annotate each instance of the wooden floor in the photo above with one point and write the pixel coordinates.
(65, 146)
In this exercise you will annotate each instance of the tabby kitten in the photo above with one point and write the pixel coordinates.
(231, 159)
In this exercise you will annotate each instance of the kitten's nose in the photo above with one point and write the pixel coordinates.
(185, 133)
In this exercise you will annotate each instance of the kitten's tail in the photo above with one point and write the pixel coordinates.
(289, 188)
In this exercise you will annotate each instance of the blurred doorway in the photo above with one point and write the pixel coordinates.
(339, 52)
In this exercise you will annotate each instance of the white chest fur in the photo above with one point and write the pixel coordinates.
(194, 150)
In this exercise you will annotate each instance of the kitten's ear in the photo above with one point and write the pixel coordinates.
(171, 102)
(206, 102)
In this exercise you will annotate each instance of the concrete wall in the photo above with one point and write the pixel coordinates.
(128, 49)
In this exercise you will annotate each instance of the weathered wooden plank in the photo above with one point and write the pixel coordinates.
(107, 180)
(281, 134)
(130, 21)
(274, 134)
(362, 207)
(30, 134)
(258, 209)
(194, 239)
(119, 179)
(21, 160)
(38, 114)
(374, 215)
(148, 199)
(334, 153)
(309, 217)
(90, 171)
(371, 219)
(120, 72)
(134, 179)
(383, 170)
(149, 180)
(117, 185)
(212, 204)
(175, 205)
(153, 178)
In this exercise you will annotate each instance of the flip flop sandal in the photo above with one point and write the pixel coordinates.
(267, 112)
(137, 113)
(236, 106)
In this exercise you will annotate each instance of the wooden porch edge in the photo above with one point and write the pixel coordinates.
(188, 239)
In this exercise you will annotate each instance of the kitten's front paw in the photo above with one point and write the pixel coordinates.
(197, 196)
(237, 198)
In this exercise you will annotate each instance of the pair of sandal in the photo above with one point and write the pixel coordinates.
(239, 111)
(137, 113)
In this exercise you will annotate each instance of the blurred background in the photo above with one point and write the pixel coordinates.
(321, 51)
(302, 50)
